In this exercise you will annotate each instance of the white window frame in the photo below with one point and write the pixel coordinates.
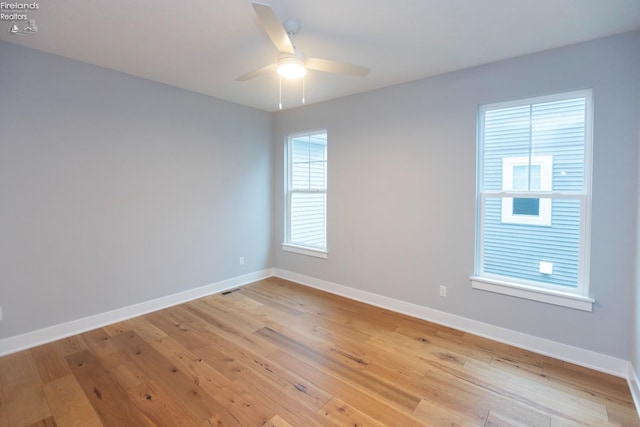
(288, 245)
(577, 298)
(546, 175)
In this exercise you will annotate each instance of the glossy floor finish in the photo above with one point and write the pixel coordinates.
(279, 354)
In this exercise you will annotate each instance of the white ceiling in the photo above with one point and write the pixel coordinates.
(203, 45)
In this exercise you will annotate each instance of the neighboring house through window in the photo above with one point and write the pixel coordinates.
(306, 194)
(534, 184)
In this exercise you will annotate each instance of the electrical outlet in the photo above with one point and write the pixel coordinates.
(443, 291)
(241, 261)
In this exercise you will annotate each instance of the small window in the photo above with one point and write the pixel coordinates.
(526, 174)
(306, 196)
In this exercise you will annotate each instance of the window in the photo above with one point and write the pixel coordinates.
(306, 194)
(525, 174)
(534, 184)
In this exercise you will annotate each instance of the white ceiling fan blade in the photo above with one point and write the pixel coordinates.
(336, 67)
(257, 73)
(273, 28)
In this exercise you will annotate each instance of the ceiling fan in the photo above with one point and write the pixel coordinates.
(291, 62)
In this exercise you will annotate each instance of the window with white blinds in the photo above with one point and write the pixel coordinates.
(533, 202)
(306, 196)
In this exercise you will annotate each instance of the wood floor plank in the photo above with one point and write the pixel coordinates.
(530, 393)
(26, 404)
(4, 418)
(51, 365)
(497, 419)
(150, 397)
(190, 395)
(129, 376)
(69, 405)
(291, 384)
(276, 421)
(186, 321)
(274, 302)
(23, 396)
(159, 407)
(437, 416)
(175, 327)
(457, 395)
(605, 386)
(45, 422)
(262, 315)
(387, 390)
(284, 404)
(275, 353)
(450, 395)
(356, 396)
(210, 348)
(340, 413)
(418, 356)
(242, 404)
(417, 338)
(146, 329)
(106, 395)
(580, 385)
(622, 415)
(18, 368)
(103, 346)
(219, 308)
(71, 345)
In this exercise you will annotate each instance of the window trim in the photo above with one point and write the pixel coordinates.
(287, 244)
(577, 298)
(305, 250)
(533, 292)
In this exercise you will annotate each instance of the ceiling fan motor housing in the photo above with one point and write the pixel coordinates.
(291, 27)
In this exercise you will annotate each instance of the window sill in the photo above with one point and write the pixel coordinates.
(549, 296)
(318, 253)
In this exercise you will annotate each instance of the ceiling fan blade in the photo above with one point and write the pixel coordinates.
(273, 27)
(257, 73)
(336, 67)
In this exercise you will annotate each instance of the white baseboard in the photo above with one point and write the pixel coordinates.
(63, 330)
(634, 386)
(575, 355)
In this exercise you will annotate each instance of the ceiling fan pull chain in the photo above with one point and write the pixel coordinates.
(280, 105)
(302, 90)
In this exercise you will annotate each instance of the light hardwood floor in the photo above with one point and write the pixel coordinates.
(279, 354)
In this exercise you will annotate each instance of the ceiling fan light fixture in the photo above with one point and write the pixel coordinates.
(291, 67)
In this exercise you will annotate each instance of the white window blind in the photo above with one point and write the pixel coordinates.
(307, 191)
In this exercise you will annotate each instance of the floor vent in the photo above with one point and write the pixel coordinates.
(230, 291)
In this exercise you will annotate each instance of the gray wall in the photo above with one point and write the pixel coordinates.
(116, 190)
(401, 189)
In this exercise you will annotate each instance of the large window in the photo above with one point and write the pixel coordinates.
(306, 194)
(533, 202)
